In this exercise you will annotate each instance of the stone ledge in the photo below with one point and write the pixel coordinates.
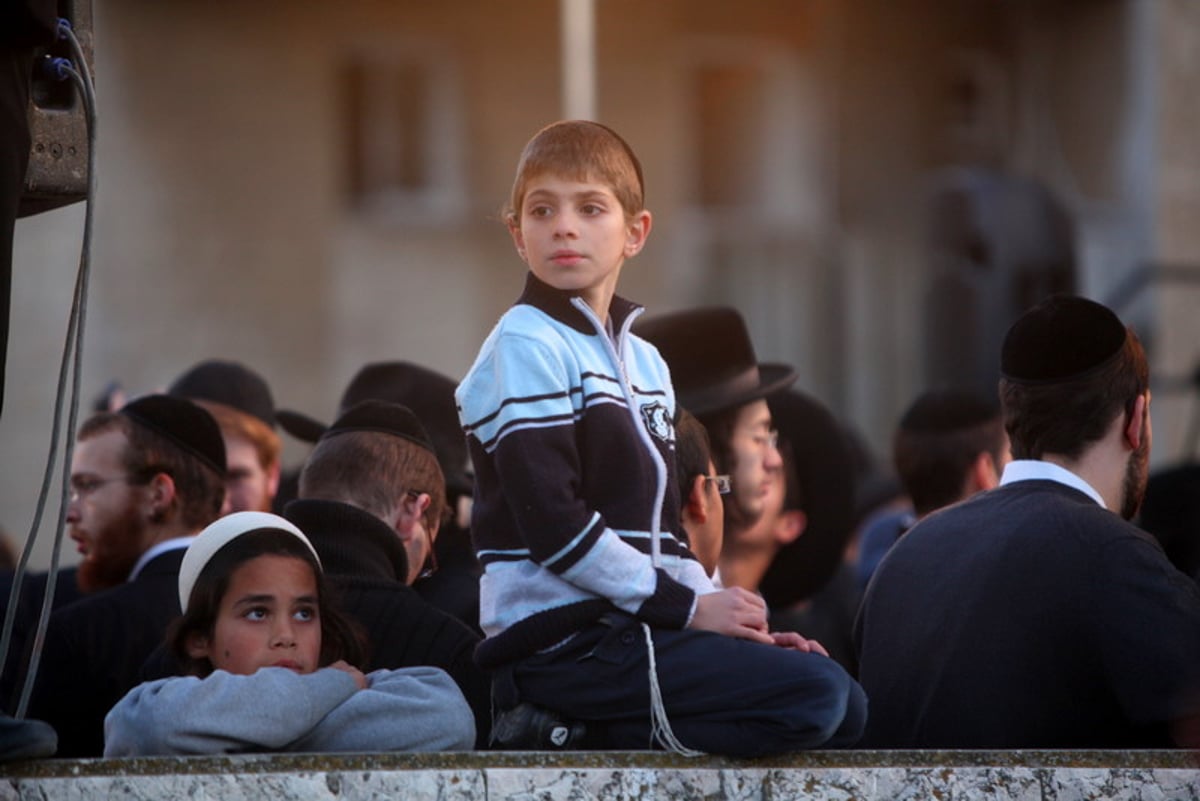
(1032, 775)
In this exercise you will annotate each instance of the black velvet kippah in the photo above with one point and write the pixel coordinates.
(1062, 338)
(384, 417)
(183, 423)
(940, 411)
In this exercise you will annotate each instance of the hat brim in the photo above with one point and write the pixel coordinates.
(824, 465)
(772, 378)
(300, 426)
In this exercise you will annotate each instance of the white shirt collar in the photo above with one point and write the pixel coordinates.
(155, 550)
(1033, 469)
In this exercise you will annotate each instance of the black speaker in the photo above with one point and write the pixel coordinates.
(58, 160)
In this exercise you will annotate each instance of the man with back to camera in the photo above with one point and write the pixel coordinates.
(1035, 615)
(949, 444)
(144, 481)
(372, 498)
(454, 585)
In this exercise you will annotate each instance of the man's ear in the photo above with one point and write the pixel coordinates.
(409, 513)
(160, 496)
(696, 508)
(273, 480)
(1135, 426)
(982, 474)
(198, 646)
(790, 526)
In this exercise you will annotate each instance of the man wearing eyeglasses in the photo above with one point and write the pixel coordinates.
(371, 499)
(702, 491)
(144, 480)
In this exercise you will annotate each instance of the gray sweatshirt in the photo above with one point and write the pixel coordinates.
(276, 709)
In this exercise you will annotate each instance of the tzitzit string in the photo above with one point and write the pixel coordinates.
(660, 725)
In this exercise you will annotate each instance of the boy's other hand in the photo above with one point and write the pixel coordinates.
(354, 672)
(790, 639)
(733, 611)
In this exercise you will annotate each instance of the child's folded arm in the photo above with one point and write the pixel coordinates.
(223, 712)
(409, 709)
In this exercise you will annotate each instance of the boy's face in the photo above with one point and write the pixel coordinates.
(574, 236)
(268, 618)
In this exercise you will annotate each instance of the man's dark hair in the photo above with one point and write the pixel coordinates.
(719, 425)
(1065, 417)
(693, 452)
(940, 435)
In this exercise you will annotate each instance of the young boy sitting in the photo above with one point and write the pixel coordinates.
(591, 603)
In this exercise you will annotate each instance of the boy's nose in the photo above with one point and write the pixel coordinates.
(566, 225)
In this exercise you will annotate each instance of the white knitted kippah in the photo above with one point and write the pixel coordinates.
(218, 534)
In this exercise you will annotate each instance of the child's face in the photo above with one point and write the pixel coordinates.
(268, 618)
(574, 235)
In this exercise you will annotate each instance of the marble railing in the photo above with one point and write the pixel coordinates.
(623, 775)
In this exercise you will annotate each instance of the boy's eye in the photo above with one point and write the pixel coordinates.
(591, 209)
(540, 211)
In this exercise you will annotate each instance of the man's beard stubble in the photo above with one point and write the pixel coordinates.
(1137, 474)
(114, 551)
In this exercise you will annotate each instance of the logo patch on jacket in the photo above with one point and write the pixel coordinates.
(657, 420)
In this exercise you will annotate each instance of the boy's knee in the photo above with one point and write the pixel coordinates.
(828, 708)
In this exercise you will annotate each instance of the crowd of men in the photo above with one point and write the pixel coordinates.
(1001, 599)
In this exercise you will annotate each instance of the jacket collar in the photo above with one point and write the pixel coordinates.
(557, 304)
(350, 541)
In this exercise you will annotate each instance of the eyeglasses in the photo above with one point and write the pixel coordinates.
(431, 564)
(82, 486)
(724, 483)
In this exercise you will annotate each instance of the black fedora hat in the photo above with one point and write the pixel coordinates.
(712, 361)
(427, 393)
(230, 383)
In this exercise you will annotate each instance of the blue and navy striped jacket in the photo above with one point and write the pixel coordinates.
(571, 438)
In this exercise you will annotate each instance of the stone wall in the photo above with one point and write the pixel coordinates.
(842, 775)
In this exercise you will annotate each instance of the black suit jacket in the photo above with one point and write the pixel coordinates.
(94, 652)
(29, 609)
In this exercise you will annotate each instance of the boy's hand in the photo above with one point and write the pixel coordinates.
(354, 672)
(790, 639)
(732, 611)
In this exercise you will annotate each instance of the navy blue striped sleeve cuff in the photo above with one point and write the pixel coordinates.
(671, 604)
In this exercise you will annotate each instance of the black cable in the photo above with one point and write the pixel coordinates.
(71, 360)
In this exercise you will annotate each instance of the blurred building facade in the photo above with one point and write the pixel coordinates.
(307, 186)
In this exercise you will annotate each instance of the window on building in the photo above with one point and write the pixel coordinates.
(402, 132)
